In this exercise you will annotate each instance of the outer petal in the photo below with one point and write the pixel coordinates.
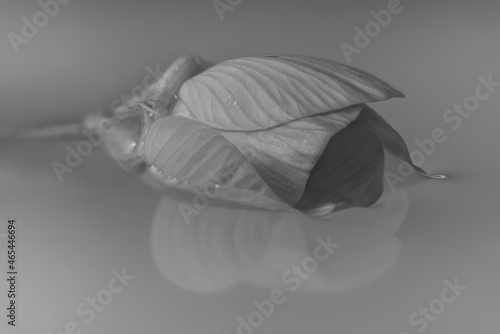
(188, 155)
(255, 93)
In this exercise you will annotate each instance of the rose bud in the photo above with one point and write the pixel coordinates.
(272, 132)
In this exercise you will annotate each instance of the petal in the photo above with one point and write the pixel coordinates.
(255, 93)
(188, 155)
(349, 172)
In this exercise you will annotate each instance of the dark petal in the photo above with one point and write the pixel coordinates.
(349, 172)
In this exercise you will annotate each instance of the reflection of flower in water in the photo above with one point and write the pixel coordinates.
(226, 246)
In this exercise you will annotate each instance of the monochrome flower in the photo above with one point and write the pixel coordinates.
(274, 132)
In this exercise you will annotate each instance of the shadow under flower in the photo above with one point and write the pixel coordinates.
(225, 246)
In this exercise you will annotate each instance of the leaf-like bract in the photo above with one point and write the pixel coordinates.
(255, 93)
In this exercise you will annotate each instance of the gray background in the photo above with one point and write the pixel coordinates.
(72, 234)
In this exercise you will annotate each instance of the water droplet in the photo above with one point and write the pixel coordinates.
(436, 176)
(154, 170)
(217, 186)
(321, 211)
